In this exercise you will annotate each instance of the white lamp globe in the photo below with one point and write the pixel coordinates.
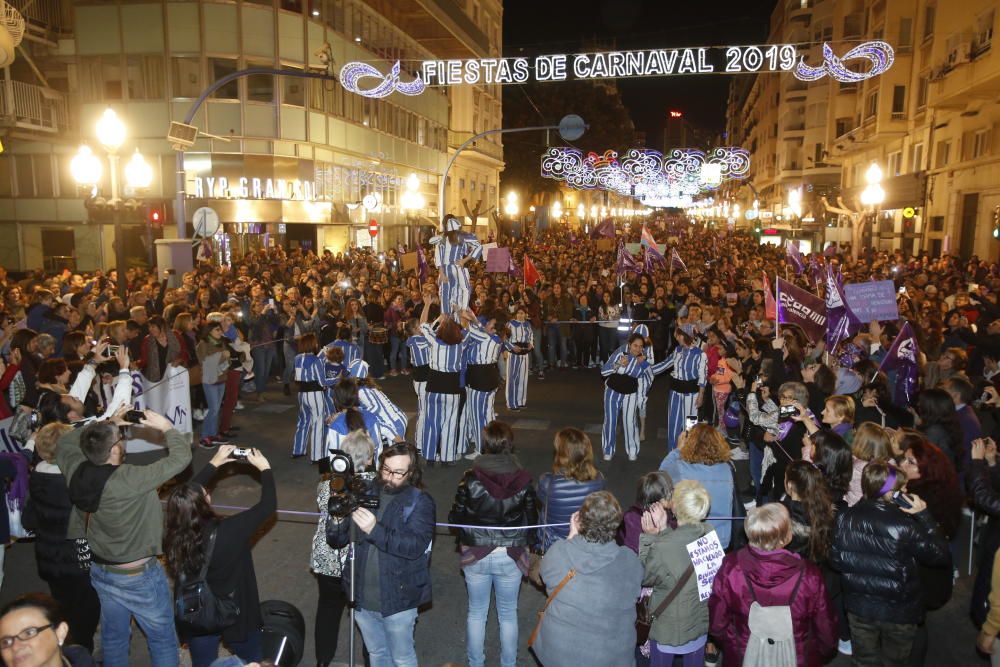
(110, 130)
(85, 166)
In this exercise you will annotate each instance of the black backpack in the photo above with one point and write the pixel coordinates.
(197, 607)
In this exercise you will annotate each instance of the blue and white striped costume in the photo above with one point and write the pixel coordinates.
(310, 373)
(351, 351)
(646, 379)
(338, 430)
(455, 290)
(516, 391)
(445, 391)
(482, 378)
(420, 352)
(621, 396)
(391, 420)
(688, 367)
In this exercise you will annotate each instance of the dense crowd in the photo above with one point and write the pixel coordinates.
(837, 499)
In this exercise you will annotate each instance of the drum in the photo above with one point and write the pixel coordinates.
(378, 335)
(283, 633)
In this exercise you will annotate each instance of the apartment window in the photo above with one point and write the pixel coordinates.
(817, 153)
(260, 87)
(111, 78)
(922, 85)
(941, 159)
(905, 32)
(871, 105)
(23, 176)
(461, 184)
(929, 13)
(294, 91)
(917, 157)
(220, 67)
(43, 175)
(898, 102)
(185, 75)
(145, 77)
(292, 5)
(982, 38)
(472, 186)
(895, 163)
(980, 143)
(843, 126)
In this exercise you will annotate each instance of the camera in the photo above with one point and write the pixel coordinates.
(35, 420)
(113, 350)
(786, 412)
(348, 492)
(241, 453)
(900, 499)
(134, 416)
(690, 422)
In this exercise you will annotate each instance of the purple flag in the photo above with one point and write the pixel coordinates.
(652, 261)
(794, 255)
(626, 262)
(799, 307)
(815, 270)
(841, 322)
(605, 228)
(421, 264)
(903, 357)
(676, 262)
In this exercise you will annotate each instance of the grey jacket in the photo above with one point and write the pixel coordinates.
(592, 619)
(665, 558)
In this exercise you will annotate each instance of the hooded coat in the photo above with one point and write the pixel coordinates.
(496, 491)
(592, 619)
(773, 575)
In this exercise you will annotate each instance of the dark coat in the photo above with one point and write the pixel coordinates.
(877, 547)
(774, 575)
(560, 497)
(47, 514)
(982, 485)
(495, 492)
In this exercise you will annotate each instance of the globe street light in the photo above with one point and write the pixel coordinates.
(85, 167)
(138, 173)
(110, 130)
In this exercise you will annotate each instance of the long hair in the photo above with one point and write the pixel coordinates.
(834, 459)
(704, 444)
(937, 484)
(188, 519)
(449, 332)
(345, 397)
(809, 485)
(574, 455)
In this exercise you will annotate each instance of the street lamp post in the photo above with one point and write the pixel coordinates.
(510, 208)
(86, 170)
(872, 196)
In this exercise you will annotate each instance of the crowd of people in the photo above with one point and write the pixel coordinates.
(837, 500)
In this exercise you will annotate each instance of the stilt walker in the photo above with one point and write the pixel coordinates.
(622, 371)
(521, 341)
(688, 368)
(452, 250)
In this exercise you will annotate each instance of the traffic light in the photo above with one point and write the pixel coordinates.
(155, 216)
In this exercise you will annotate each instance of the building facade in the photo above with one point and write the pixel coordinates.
(282, 160)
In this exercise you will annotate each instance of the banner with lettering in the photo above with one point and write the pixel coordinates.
(799, 307)
(170, 397)
(706, 556)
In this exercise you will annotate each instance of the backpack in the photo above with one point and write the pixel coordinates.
(772, 636)
(197, 607)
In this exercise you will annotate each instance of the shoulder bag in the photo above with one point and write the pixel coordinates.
(644, 618)
(541, 614)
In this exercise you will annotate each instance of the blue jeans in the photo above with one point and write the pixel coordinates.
(536, 352)
(389, 638)
(205, 648)
(147, 597)
(288, 374)
(562, 342)
(499, 572)
(397, 353)
(213, 396)
(263, 357)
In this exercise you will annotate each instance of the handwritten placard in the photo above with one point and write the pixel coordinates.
(706, 556)
(498, 260)
(874, 300)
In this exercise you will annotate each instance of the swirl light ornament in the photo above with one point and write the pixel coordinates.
(351, 75)
(879, 54)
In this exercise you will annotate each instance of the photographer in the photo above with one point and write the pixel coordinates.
(392, 556)
(190, 524)
(116, 508)
(327, 563)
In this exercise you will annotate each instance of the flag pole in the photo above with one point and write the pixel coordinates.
(777, 306)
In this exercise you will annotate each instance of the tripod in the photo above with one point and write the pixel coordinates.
(352, 602)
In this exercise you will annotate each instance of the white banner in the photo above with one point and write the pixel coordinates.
(706, 556)
(170, 397)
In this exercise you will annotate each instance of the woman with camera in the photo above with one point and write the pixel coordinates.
(328, 563)
(194, 530)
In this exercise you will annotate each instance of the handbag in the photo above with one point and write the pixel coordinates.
(541, 614)
(535, 566)
(737, 535)
(644, 618)
(197, 607)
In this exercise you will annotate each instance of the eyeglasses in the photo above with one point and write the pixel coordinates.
(24, 635)
(398, 474)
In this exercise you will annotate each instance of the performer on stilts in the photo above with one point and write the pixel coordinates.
(452, 251)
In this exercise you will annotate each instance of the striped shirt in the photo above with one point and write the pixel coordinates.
(446, 253)
(310, 368)
(419, 350)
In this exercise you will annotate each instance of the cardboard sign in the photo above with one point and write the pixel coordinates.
(633, 247)
(486, 250)
(605, 245)
(706, 556)
(409, 261)
(498, 260)
(874, 300)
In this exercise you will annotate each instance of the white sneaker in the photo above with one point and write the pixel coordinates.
(198, 414)
(633, 458)
(607, 457)
(844, 647)
(738, 454)
(239, 405)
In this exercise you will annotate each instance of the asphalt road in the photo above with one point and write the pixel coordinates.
(564, 398)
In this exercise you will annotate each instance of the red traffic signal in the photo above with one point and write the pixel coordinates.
(373, 227)
(155, 215)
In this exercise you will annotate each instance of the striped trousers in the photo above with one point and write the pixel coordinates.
(679, 406)
(627, 405)
(442, 427)
(455, 290)
(478, 412)
(310, 428)
(516, 391)
(645, 384)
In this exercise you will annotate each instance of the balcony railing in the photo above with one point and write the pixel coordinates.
(32, 107)
(41, 16)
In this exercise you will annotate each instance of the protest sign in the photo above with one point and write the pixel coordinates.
(486, 250)
(410, 261)
(605, 245)
(170, 397)
(498, 260)
(706, 556)
(874, 300)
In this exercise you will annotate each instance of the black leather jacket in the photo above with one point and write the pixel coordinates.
(495, 494)
(876, 548)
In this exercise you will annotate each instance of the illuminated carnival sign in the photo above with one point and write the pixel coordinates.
(652, 177)
(367, 80)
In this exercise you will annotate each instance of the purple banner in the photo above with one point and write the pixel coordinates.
(498, 260)
(799, 307)
(875, 300)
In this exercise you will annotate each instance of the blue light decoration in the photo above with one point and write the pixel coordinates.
(879, 54)
(352, 73)
(655, 179)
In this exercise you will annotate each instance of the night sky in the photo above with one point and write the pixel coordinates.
(558, 26)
